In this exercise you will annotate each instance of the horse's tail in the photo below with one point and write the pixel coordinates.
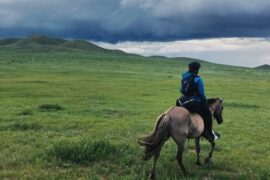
(154, 142)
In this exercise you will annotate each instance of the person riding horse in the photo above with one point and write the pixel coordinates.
(194, 98)
(191, 118)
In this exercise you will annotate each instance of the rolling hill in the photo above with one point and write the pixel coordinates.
(44, 43)
(40, 43)
(263, 67)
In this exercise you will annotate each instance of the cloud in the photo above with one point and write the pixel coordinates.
(248, 52)
(136, 20)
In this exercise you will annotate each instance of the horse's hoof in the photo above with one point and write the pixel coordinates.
(152, 176)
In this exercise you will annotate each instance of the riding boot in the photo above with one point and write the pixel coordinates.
(217, 135)
(208, 134)
(207, 117)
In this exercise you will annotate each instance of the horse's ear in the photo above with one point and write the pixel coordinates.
(221, 100)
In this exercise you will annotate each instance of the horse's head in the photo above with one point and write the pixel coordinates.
(216, 106)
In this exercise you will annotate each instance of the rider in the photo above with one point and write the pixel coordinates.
(194, 98)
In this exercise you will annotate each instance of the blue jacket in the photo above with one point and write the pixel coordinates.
(199, 84)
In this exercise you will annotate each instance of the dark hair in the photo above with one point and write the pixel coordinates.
(194, 66)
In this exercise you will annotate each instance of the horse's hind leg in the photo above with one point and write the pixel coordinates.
(153, 171)
(179, 158)
(198, 149)
(155, 158)
(180, 141)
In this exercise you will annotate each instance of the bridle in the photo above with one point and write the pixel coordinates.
(216, 110)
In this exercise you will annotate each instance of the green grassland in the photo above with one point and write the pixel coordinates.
(68, 112)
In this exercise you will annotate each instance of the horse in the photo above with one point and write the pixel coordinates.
(178, 123)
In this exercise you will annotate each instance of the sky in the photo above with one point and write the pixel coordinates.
(246, 52)
(222, 31)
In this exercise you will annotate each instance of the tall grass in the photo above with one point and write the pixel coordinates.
(83, 150)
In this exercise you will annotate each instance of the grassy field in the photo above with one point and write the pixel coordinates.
(71, 114)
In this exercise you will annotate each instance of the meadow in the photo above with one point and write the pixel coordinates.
(69, 114)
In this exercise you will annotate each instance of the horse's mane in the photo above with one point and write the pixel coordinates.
(211, 101)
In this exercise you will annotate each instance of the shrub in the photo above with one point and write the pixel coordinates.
(82, 150)
(24, 126)
(25, 113)
(50, 107)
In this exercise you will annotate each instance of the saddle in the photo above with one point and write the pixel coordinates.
(193, 105)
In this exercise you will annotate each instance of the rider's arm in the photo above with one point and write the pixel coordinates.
(181, 85)
(201, 90)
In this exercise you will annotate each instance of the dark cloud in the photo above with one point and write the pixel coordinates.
(136, 20)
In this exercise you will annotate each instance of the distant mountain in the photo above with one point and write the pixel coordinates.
(264, 67)
(30, 41)
(42, 40)
(8, 41)
(39, 43)
(44, 43)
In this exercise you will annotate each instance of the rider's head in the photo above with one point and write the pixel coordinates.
(194, 67)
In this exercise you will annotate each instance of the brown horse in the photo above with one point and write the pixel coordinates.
(179, 124)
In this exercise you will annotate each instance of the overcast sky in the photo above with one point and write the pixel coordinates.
(248, 52)
(224, 31)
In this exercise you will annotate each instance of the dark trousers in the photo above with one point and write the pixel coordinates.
(203, 110)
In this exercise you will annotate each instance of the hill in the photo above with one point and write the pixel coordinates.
(30, 41)
(40, 43)
(263, 67)
(83, 45)
(8, 41)
(44, 43)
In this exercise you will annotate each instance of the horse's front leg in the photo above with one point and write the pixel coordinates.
(208, 159)
(198, 150)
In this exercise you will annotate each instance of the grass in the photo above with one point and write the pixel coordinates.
(82, 150)
(94, 106)
(49, 107)
(26, 112)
